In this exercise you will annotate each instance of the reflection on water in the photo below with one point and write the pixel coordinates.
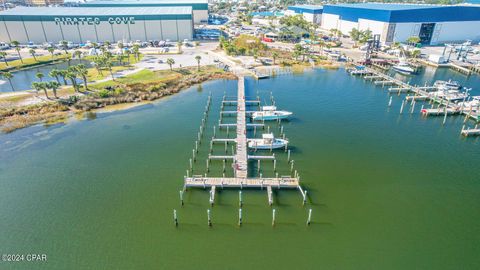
(23, 79)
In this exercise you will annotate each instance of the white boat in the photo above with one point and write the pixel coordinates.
(2, 82)
(269, 113)
(451, 95)
(447, 85)
(474, 103)
(403, 67)
(267, 142)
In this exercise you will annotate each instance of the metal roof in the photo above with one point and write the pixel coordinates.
(313, 9)
(404, 13)
(195, 4)
(382, 6)
(100, 11)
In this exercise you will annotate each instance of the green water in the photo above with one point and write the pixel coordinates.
(387, 191)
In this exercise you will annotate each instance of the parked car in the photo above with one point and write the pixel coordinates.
(4, 46)
(32, 45)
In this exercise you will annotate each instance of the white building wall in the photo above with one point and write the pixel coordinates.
(35, 31)
(346, 26)
(200, 16)
(17, 32)
(456, 31)
(3, 33)
(88, 33)
(330, 21)
(185, 29)
(137, 31)
(104, 32)
(405, 30)
(169, 29)
(376, 27)
(155, 29)
(121, 32)
(71, 33)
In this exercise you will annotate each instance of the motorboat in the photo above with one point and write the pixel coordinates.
(473, 103)
(403, 67)
(447, 85)
(270, 113)
(267, 142)
(450, 95)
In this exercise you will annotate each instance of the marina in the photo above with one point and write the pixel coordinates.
(442, 98)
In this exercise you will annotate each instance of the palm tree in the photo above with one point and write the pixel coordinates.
(54, 73)
(54, 85)
(120, 47)
(82, 71)
(39, 76)
(78, 54)
(136, 51)
(32, 52)
(109, 65)
(40, 86)
(37, 86)
(51, 50)
(8, 75)
(16, 45)
(64, 44)
(72, 75)
(170, 62)
(63, 74)
(3, 55)
(98, 63)
(128, 52)
(198, 58)
(274, 56)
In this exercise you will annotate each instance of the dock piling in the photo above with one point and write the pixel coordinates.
(181, 197)
(273, 217)
(175, 219)
(209, 217)
(309, 219)
(240, 217)
(240, 201)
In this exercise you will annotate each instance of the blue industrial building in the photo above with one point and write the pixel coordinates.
(434, 24)
(311, 13)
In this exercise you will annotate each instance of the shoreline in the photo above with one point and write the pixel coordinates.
(55, 112)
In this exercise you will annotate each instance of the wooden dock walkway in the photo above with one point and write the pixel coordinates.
(240, 158)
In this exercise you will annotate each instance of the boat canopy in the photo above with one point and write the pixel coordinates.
(269, 108)
(267, 136)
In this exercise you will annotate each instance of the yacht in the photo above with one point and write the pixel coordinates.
(269, 113)
(450, 95)
(267, 142)
(403, 67)
(447, 85)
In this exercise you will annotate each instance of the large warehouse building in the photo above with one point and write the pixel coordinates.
(397, 22)
(310, 13)
(79, 25)
(199, 7)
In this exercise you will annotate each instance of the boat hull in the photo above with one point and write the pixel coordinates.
(269, 117)
(260, 145)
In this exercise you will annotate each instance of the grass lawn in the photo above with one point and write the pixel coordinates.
(159, 76)
(27, 62)
(94, 75)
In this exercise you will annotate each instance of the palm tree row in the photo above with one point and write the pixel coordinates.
(52, 85)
